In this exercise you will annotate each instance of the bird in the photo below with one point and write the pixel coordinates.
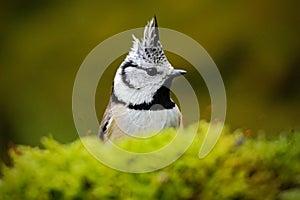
(140, 102)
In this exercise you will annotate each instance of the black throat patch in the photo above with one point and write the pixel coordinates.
(161, 100)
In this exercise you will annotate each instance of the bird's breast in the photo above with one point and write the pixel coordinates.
(146, 123)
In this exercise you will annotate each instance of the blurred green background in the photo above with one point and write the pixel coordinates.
(255, 45)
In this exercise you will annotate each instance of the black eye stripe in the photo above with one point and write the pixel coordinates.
(150, 71)
(124, 78)
(129, 64)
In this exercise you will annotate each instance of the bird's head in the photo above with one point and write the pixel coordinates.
(145, 69)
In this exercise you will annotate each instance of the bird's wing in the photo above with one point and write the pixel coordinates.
(106, 121)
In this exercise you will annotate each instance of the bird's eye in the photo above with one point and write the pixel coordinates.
(151, 71)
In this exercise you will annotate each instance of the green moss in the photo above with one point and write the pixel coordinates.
(239, 167)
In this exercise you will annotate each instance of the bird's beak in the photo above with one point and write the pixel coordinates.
(177, 72)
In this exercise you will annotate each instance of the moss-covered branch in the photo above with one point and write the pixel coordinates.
(239, 167)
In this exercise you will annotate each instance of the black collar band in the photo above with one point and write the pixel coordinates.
(161, 100)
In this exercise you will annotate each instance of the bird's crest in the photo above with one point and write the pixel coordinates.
(149, 49)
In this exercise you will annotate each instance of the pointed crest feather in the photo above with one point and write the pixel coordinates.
(149, 49)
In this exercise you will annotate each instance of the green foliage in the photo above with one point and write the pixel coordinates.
(239, 167)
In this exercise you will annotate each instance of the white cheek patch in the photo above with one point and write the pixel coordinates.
(133, 85)
(135, 77)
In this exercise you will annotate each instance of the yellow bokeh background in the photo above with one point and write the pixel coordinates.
(255, 45)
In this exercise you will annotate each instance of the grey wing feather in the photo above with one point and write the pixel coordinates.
(105, 122)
